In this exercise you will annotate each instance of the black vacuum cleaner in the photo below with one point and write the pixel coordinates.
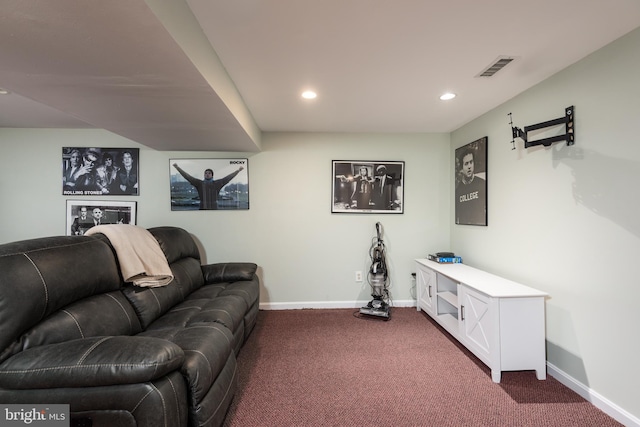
(378, 278)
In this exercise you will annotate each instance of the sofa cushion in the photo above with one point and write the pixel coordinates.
(79, 320)
(187, 274)
(41, 276)
(249, 291)
(157, 403)
(91, 362)
(151, 303)
(207, 348)
(228, 311)
(176, 243)
(228, 271)
(212, 409)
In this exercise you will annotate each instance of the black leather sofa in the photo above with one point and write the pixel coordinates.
(72, 332)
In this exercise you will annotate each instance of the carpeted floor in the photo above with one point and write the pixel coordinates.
(333, 368)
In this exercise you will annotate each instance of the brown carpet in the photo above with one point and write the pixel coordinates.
(332, 368)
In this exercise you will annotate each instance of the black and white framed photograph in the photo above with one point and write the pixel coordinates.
(100, 171)
(84, 214)
(471, 183)
(367, 187)
(209, 184)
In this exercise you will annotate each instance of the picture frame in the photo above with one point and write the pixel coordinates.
(84, 214)
(471, 183)
(88, 171)
(361, 186)
(193, 188)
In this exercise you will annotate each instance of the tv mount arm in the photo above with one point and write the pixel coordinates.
(569, 136)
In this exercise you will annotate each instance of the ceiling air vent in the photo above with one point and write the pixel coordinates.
(496, 66)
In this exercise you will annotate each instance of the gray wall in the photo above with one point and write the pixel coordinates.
(565, 220)
(308, 256)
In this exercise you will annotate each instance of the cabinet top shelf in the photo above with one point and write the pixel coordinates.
(487, 283)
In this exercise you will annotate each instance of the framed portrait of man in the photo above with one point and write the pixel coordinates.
(84, 214)
(361, 186)
(209, 184)
(471, 183)
(90, 171)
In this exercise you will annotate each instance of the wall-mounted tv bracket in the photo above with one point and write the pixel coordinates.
(569, 135)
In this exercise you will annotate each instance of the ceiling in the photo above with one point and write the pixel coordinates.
(213, 74)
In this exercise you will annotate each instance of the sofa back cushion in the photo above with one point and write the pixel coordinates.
(184, 260)
(151, 303)
(55, 289)
(176, 243)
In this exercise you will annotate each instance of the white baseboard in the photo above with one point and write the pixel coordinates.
(327, 304)
(597, 400)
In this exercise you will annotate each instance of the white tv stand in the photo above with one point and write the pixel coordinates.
(500, 321)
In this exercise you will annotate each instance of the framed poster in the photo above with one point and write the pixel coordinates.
(471, 183)
(209, 184)
(99, 171)
(367, 187)
(84, 214)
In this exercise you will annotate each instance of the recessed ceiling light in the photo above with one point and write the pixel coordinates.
(309, 94)
(447, 96)
(4, 91)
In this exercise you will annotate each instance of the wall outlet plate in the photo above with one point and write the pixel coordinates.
(358, 276)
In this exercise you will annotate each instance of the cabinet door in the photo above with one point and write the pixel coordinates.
(478, 325)
(426, 285)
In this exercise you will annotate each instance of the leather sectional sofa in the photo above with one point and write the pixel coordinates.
(72, 332)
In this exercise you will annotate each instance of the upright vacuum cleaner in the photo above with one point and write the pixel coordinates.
(378, 278)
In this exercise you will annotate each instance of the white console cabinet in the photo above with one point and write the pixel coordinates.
(500, 321)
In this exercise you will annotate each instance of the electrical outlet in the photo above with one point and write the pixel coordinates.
(358, 276)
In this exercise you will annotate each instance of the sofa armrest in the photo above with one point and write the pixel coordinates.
(88, 362)
(228, 272)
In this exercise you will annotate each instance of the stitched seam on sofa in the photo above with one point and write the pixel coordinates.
(216, 309)
(221, 310)
(242, 291)
(74, 321)
(175, 394)
(155, 369)
(238, 291)
(95, 365)
(142, 400)
(186, 273)
(47, 248)
(188, 307)
(167, 334)
(44, 284)
(164, 405)
(209, 326)
(200, 353)
(225, 395)
(205, 359)
(224, 268)
(123, 310)
(90, 349)
(156, 298)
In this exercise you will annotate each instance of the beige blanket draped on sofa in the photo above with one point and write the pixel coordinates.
(141, 259)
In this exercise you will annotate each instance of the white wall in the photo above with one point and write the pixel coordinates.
(308, 256)
(566, 220)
